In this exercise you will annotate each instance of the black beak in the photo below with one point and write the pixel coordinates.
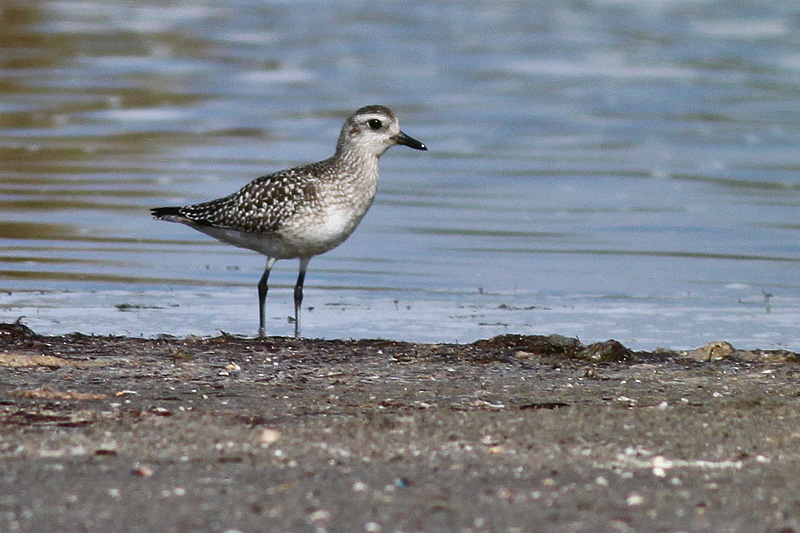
(411, 142)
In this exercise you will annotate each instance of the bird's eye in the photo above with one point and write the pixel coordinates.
(374, 123)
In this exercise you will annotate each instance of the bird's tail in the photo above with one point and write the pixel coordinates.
(167, 213)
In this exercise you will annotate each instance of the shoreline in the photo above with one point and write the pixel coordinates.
(228, 433)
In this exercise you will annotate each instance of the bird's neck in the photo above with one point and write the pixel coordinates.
(356, 161)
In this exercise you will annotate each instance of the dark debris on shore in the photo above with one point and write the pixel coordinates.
(508, 348)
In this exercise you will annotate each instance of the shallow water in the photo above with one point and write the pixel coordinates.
(621, 169)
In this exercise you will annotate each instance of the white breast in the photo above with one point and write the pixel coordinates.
(318, 234)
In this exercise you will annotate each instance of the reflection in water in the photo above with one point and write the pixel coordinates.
(35, 230)
(639, 154)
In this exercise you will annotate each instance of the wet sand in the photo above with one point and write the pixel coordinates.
(514, 433)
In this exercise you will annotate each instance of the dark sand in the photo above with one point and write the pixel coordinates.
(509, 434)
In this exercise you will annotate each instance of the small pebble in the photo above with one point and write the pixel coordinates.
(269, 436)
(635, 499)
(142, 471)
(505, 493)
(659, 461)
(320, 515)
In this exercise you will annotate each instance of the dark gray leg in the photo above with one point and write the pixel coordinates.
(298, 294)
(262, 295)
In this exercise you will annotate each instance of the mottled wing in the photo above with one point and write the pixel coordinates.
(260, 206)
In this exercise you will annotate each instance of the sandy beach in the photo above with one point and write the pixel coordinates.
(513, 433)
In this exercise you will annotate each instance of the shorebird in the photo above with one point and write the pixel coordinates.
(303, 211)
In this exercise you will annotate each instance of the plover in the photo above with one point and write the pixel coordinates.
(303, 211)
